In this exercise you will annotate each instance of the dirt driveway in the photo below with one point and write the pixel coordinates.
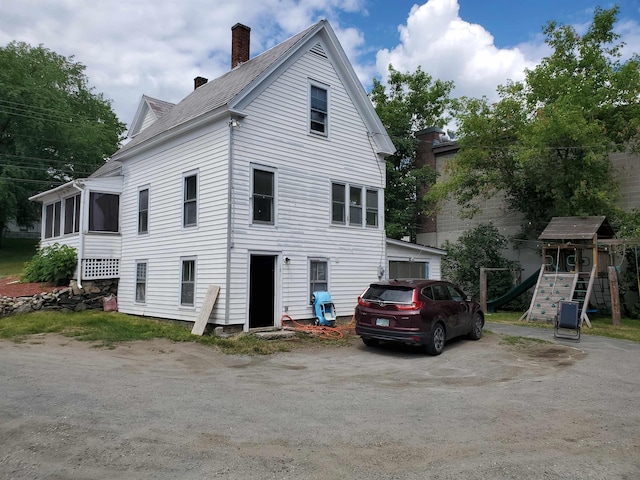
(481, 410)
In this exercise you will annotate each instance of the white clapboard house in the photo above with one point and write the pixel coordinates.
(267, 183)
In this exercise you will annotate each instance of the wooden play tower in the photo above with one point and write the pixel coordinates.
(575, 253)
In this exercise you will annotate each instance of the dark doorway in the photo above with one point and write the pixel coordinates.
(262, 288)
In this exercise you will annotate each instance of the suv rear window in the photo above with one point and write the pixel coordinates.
(379, 293)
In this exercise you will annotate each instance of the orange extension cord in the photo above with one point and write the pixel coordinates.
(324, 332)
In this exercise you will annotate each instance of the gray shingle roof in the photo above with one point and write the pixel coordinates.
(216, 93)
(577, 228)
(159, 107)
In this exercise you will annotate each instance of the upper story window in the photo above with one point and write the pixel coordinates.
(319, 110)
(190, 196)
(362, 207)
(143, 211)
(263, 196)
(372, 208)
(338, 203)
(104, 212)
(72, 214)
(52, 213)
(355, 205)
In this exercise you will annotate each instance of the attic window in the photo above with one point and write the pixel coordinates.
(319, 110)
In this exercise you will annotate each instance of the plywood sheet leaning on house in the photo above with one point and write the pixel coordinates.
(207, 307)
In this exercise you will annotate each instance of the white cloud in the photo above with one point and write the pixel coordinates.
(449, 48)
(157, 47)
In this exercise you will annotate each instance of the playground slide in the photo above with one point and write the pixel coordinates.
(493, 305)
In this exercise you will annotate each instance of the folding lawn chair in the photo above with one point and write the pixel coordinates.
(567, 321)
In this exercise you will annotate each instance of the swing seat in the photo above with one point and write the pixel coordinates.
(567, 322)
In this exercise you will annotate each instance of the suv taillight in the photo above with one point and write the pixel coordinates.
(414, 305)
(363, 303)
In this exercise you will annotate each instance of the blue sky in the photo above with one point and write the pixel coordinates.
(157, 47)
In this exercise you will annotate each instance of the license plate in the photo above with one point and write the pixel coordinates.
(382, 322)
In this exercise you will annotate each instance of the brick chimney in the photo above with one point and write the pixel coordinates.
(425, 156)
(240, 38)
(199, 81)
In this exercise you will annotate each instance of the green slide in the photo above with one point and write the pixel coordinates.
(493, 305)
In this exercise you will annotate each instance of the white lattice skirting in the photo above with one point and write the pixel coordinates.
(98, 268)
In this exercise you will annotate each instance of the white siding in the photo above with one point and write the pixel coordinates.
(161, 170)
(275, 134)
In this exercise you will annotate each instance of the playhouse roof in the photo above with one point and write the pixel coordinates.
(577, 228)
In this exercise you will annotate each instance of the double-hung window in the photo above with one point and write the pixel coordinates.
(319, 110)
(141, 282)
(190, 201)
(263, 196)
(372, 208)
(143, 211)
(318, 276)
(72, 214)
(338, 214)
(188, 282)
(355, 205)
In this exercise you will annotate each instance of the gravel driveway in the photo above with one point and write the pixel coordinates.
(481, 410)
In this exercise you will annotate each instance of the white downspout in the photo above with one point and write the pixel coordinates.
(80, 187)
(232, 124)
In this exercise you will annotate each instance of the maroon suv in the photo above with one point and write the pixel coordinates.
(417, 312)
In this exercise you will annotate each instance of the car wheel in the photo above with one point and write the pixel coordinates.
(435, 344)
(476, 327)
(370, 342)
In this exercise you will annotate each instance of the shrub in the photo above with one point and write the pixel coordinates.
(480, 247)
(54, 264)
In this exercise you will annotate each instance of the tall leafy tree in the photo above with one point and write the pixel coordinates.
(546, 143)
(53, 127)
(409, 102)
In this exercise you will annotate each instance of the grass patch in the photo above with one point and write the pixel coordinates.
(601, 325)
(14, 252)
(109, 328)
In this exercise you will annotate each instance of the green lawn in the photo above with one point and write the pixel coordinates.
(14, 252)
(109, 328)
(601, 325)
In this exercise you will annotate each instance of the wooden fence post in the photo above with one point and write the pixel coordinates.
(615, 295)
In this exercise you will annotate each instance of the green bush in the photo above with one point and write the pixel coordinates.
(479, 247)
(54, 264)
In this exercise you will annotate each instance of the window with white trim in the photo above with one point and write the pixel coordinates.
(408, 269)
(318, 276)
(319, 110)
(372, 208)
(141, 282)
(188, 282)
(72, 214)
(355, 205)
(263, 196)
(338, 214)
(190, 201)
(143, 211)
(104, 212)
(52, 219)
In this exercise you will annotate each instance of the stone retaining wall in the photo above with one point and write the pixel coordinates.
(94, 295)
